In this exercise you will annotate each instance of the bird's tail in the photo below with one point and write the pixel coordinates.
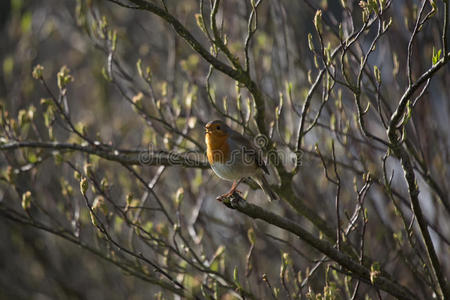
(262, 182)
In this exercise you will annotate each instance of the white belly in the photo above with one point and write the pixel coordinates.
(228, 172)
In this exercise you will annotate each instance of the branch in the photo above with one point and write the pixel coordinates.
(342, 46)
(397, 148)
(413, 190)
(357, 270)
(398, 113)
(238, 75)
(126, 157)
(128, 269)
(445, 28)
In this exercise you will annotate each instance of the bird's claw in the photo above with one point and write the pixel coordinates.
(225, 196)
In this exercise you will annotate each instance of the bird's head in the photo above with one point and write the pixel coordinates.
(217, 128)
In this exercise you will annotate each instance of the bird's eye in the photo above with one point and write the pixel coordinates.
(218, 127)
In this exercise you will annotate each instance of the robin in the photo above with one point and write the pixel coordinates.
(232, 157)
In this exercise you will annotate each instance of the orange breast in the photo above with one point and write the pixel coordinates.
(217, 148)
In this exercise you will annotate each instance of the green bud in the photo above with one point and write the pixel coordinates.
(225, 104)
(373, 5)
(148, 74)
(30, 112)
(168, 141)
(104, 23)
(436, 56)
(235, 275)
(310, 80)
(299, 277)
(286, 259)
(105, 74)
(22, 117)
(318, 21)
(114, 40)
(377, 74)
(10, 175)
(191, 122)
(164, 89)
(77, 175)
(87, 169)
(239, 103)
(137, 100)
(179, 197)
(139, 67)
(310, 42)
(84, 186)
(251, 235)
(200, 22)
(14, 125)
(38, 72)
(93, 218)
(374, 272)
(99, 205)
(249, 105)
(104, 184)
(26, 200)
(316, 62)
(365, 15)
(66, 188)
(129, 199)
(387, 25)
(63, 77)
(188, 101)
(396, 64)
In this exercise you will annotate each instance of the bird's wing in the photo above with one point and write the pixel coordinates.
(250, 150)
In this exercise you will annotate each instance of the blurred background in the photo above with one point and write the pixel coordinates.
(38, 264)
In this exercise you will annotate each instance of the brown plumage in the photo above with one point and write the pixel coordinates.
(232, 157)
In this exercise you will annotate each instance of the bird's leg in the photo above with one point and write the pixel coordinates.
(231, 191)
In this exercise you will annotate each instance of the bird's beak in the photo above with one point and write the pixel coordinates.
(207, 130)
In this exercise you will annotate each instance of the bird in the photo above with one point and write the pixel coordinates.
(232, 157)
